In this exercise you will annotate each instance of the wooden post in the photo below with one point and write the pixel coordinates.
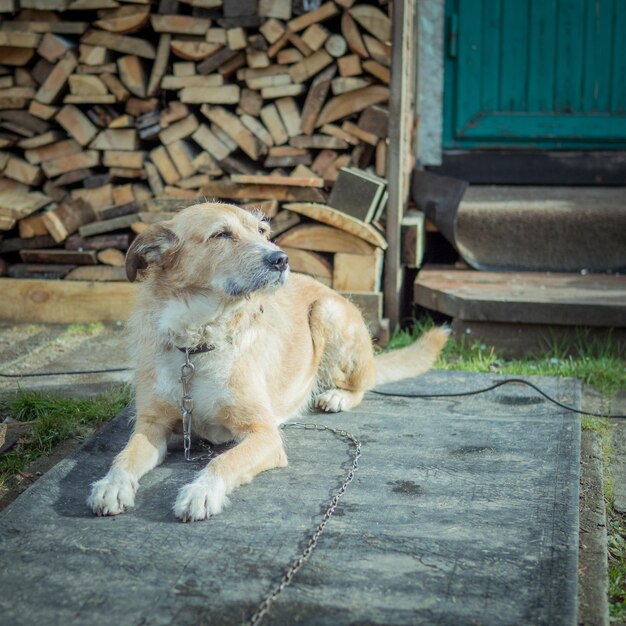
(399, 158)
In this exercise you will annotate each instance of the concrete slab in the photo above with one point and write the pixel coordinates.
(464, 511)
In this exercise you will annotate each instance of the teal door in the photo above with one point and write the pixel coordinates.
(535, 74)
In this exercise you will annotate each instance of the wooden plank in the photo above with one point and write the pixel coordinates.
(283, 221)
(290, 115)
(116, 139)
(98, 273)
(180, 24)
(70, 162)
(107, 226)
(164, 165)
(132, 74)
(197, 50)
(23, 171)
(207, 140)
(333, 217)
(530, 298)
(274, 124)
(159, 67)
(125, 19)
(226, 94)
(319, 142)
(48, 271)
(179, 130)
(310, 263)
(321, 238)
(352, 35)
(180, 82)
(309, 66)
(62, 302)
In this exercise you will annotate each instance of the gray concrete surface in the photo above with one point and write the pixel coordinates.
(464, 511)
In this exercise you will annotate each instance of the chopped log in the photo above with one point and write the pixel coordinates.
(344, 85)
(287, 181)
(333, 217)
(57, 79)
(315, 99)
(352, 102)
(115, 87)
(76, 123)
(375, 119)
(62, 257)
(227, 94)
(124, 158)
(378, 51)
(290, 115)
(107, 226)
(282, 222)
(373, 20)
(257, 129)
(70, 162)
(19, 39)
(310, 263)
(111, 256)
(216, 35)
(164, 165)
(315, 36)
(358, 272)
(132, 75)
(179, 130)
(159, 67)
(23, 171)
(180, 24)
(377, 70)
(311, 65)
(321, 238)
(318, 142)
(92, 55)
(289, 56)
(193, 50)
(336, 46)
(42, 111)
(181, 156)
(66, 219)
(274, 124)
(120, 43)
(126, 19)
(272, 30)
(87, 85)
(15, 244)
(233, 191)
(180, 82)
(349, 65)
(233, 127)
(335, 131)
(207, 140)
(119, 241)
(52, 47)
(324, 12)
(279, 9)
(287, 156)
(39, 270)
(352, 35)
(19, 205)
(11, 55)
(268, 207)
(359, 133)
(97, 273)
(116, 139)
(215, 61)
(33, 227)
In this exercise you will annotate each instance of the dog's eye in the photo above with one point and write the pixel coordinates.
(222, 234)
(263, 231)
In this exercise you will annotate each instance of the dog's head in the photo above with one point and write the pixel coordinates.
(208, 248)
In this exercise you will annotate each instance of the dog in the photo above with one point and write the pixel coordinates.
(265, 345)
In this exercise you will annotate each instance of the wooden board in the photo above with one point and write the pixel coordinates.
(332, 217)
(59, 302)
(530, 298)
(232, 191)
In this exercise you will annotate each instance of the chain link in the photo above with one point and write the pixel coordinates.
(291, 571)
(187, 372)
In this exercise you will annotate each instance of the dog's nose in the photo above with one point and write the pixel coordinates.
(278, 260)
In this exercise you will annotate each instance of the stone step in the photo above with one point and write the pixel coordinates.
(542, 228)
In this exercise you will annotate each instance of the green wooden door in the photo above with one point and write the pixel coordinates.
(535, 74)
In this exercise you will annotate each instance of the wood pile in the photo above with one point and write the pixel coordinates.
(114, 114)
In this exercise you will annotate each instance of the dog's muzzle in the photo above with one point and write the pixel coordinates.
(278, 261)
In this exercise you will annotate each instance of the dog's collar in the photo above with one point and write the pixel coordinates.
(200, 348)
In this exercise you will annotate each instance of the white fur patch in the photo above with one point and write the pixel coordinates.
(331, 401)
(204, 497)
(113, 494)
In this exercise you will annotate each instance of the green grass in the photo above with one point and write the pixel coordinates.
(597, 364)
(54, 419)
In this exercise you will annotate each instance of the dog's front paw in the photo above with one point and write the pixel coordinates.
(113, 494)
(331, 401)
(202, 498)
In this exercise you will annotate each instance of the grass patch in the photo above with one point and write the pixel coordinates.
(55, 418)
(617, 566)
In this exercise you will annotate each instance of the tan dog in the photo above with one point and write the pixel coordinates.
(212, 278)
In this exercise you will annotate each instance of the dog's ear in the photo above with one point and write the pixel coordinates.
(154, 246)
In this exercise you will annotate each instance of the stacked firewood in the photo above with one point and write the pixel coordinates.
(114, 115)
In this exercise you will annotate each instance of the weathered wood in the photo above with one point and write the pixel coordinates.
(98, 273)
(179, 130)
(132, 75)
(226, 94)
(287, 181)
(38, 270)
(180, 24)
(164, 165)
(318, 142)
(321, 238)
(106, 226)
(60, 257)
(378, 70)
(70, 162)
(233, 127)
(274, 124)
(372, 19)
(343, 85)
(180, 82)
(65, 302)
(119, 241)
(193, 50)
(52, 47)
(159, 67)
(111, 256)
(272, 30)
(332, 217)
(56, 80)
(14, 244)
(18, 205)
(116, 139)
(283, 221)
(67, 219)
(76, 123)
(310, 263)
(309, 66)
(357, 272)
(315, 99)
(279, 9)
(23, 171)
(207, 140)
(226, 189)
(352, 102)
(352, 35)
(120, 43)
(380, 52)
(126, 19)
(324, 12)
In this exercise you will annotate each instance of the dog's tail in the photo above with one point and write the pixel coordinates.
(413, 360)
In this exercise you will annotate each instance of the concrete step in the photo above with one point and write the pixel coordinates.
(543, 228)
(520, 312)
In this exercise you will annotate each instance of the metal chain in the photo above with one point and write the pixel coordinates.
(187, 372)
(291, 571)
